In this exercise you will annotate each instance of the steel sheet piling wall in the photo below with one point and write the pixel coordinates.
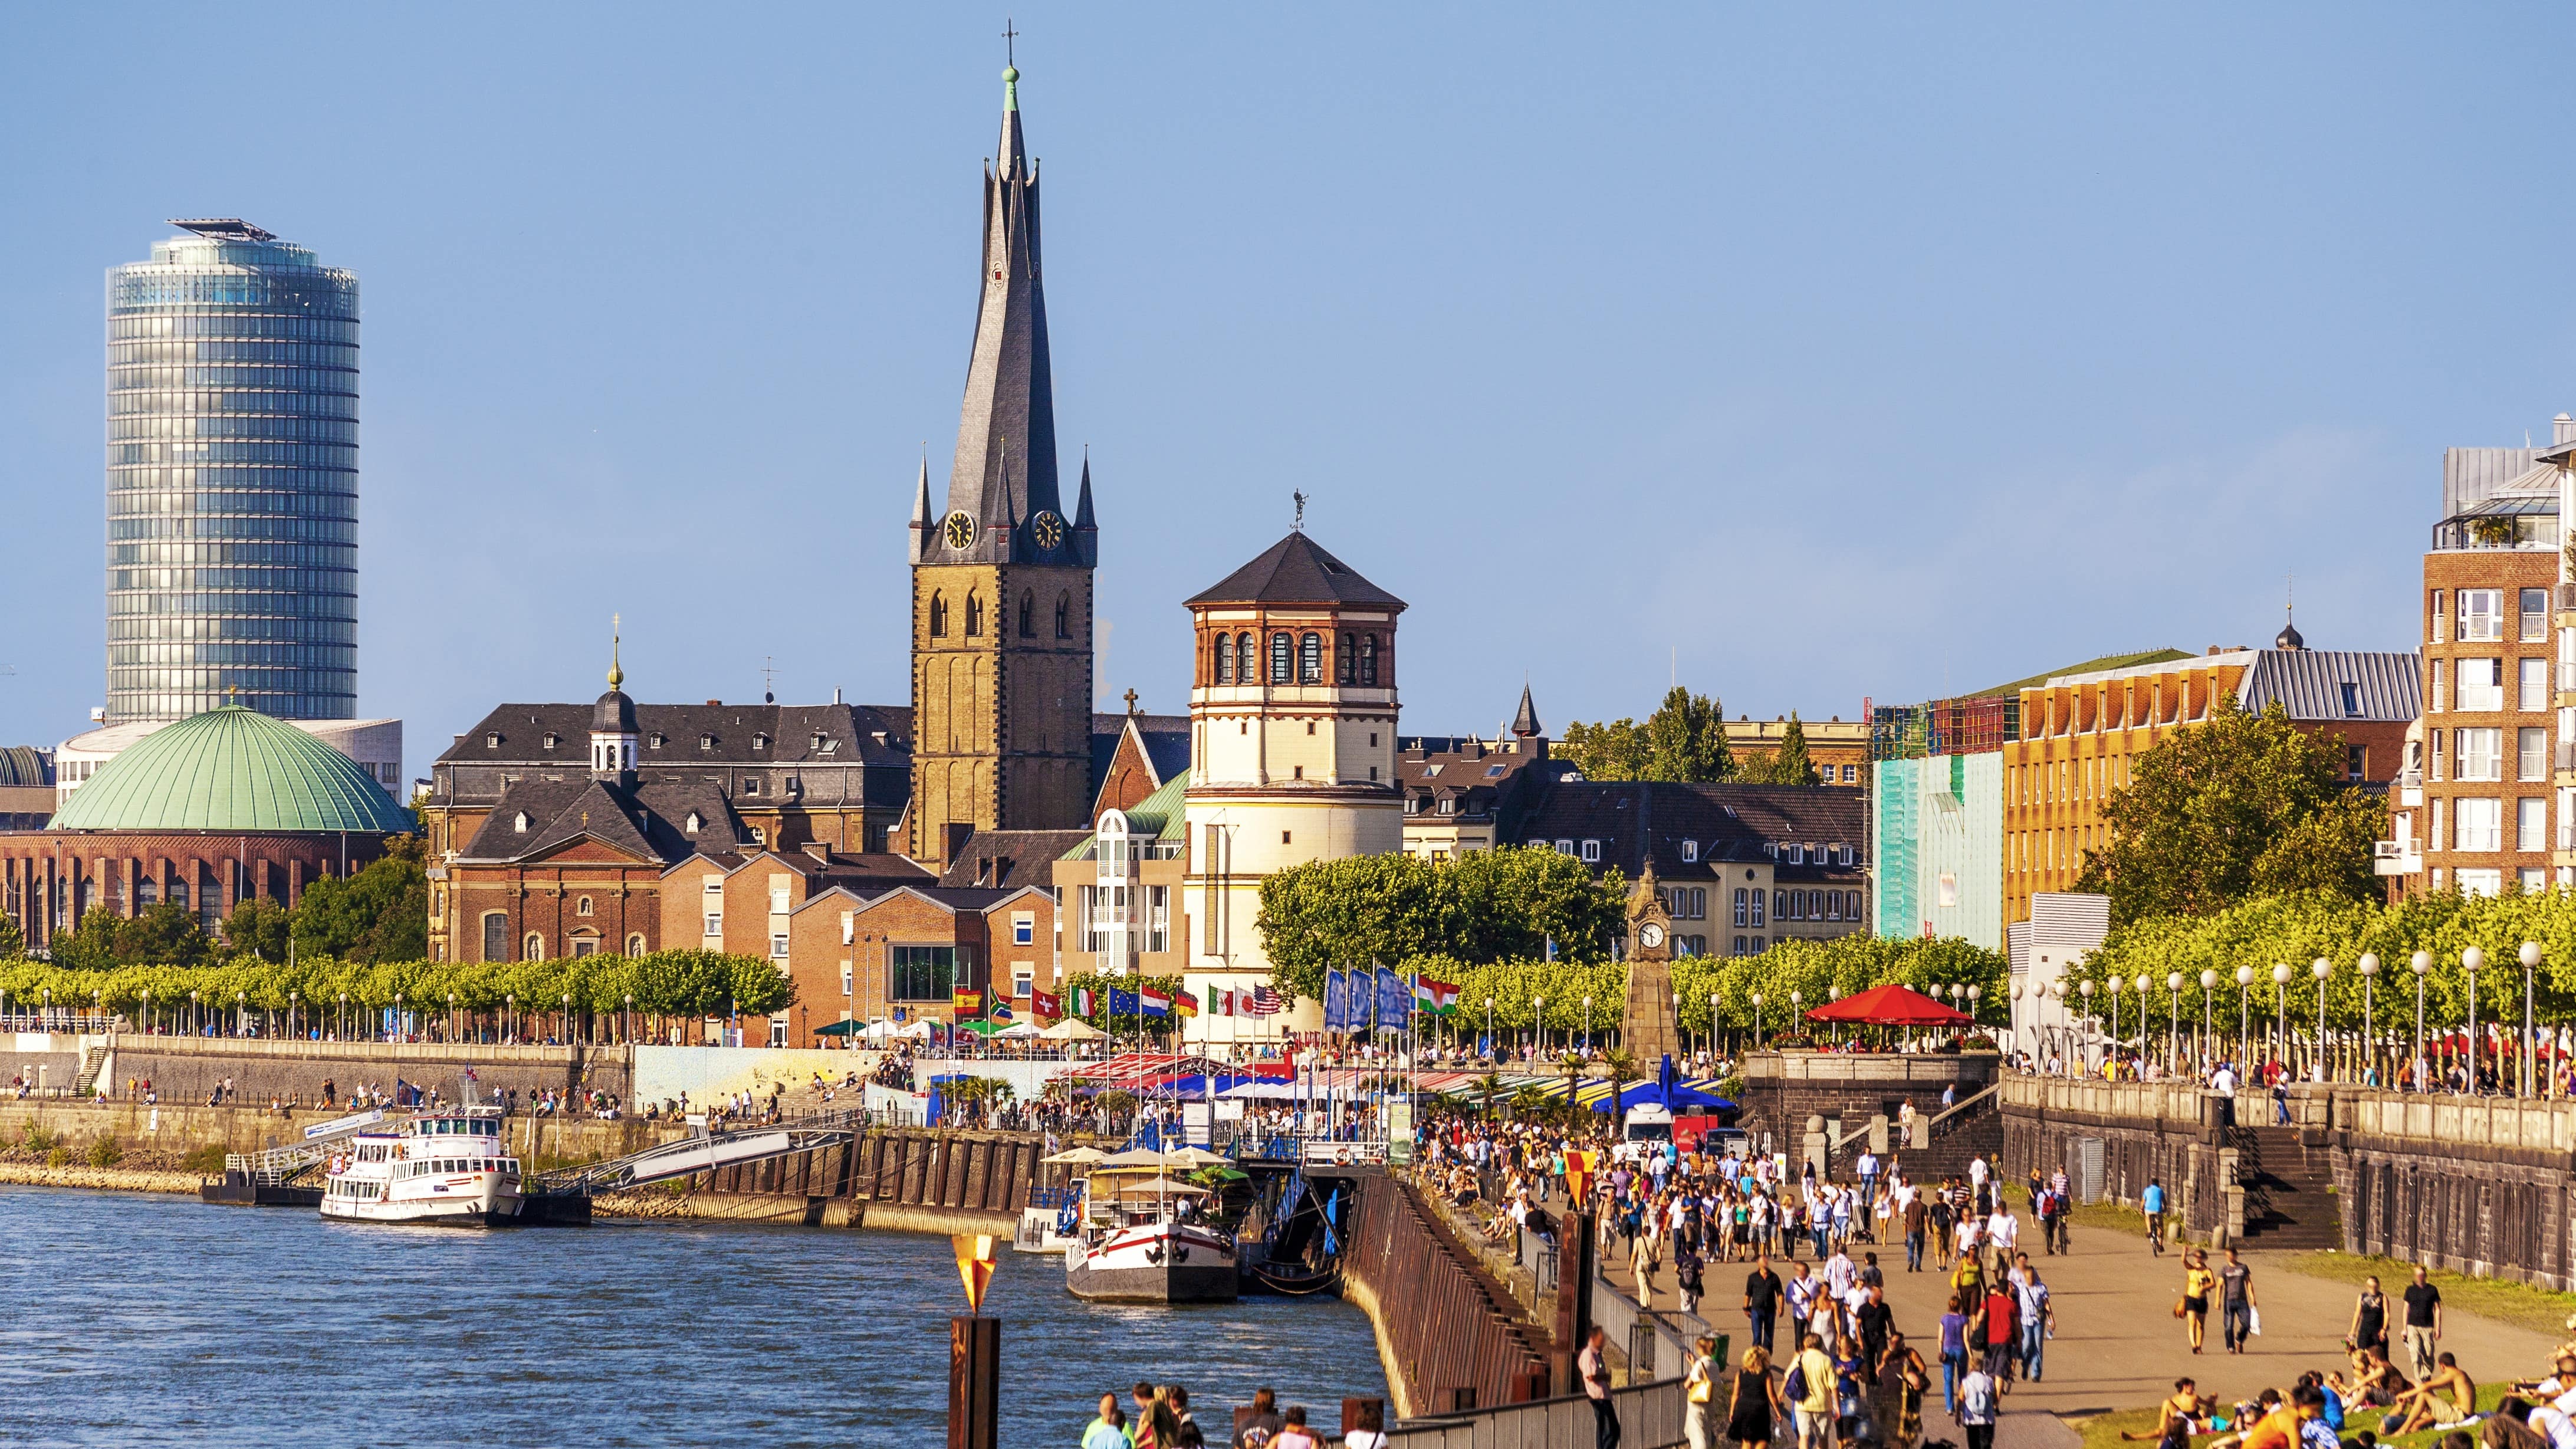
(1444, 1323)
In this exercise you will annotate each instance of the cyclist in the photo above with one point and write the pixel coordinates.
(2153, 1202)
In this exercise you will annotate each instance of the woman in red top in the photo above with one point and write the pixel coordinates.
(2003, 1330)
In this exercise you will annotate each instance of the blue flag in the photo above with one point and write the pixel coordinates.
(1336, 1001)
(1122, 1003)
(1394, 1001)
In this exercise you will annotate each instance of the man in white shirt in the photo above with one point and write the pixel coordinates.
(2003, 1231)
(1839, 1273)
(1868, 1169)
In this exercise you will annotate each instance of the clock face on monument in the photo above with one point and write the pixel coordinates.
(1650, 935)
(961, 529)
(1047, 528)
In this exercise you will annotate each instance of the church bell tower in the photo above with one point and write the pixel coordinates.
(1001, 579)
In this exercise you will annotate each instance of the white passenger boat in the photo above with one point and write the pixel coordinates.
(1148, 1242)
(440, 1167)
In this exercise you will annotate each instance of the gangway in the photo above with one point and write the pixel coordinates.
(276, 1166)
(704, 1151)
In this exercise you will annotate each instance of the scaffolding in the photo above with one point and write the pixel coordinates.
(1972, 725)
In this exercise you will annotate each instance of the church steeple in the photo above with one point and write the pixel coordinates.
(1003, 477)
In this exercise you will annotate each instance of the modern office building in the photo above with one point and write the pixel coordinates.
(232, 479)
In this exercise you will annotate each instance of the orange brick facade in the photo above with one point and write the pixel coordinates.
(2487, 615)
(126, 871)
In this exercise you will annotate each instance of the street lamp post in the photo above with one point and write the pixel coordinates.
(196, 1023)
(2321, 968)
(2470, 960)
(2208, 1000)
(1489, 1028)
(340, 1017)
(294, 1008)
(1587, 1026)
(2530, 963)
(2280, 1011)
(2092, 1028)
(1712, 1031)
(626, 1027)
(398, 1016)
(1677, 1022)
(1796, 1000)
(1538, 1024)
(2173, 1022)
(2114, 983)
(2244, 1013)
(1757, 1018)
(2369, 967)
(2422, 963)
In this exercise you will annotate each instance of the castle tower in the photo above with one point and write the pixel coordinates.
(1292, 742)
(1001, 580)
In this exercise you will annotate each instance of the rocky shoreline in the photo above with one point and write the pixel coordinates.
(105, 1179)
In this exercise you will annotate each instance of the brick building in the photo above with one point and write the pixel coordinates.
(2081, 733)
(860, 952)
(1463, 794)
(1838, 748)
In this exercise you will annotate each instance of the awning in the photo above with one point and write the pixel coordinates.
(1890, 1005)
(843, 1028)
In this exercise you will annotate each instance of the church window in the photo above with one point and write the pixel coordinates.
(1280, 659)
(1310, 659)
(1224, 659)
(1368, 659)
(1028, 615)
(536, 948)
(496, 936)
(1064, 616)
(938, 616)
(1346, 662)
(974, 615)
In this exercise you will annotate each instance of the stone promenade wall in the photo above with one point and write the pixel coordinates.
(2149, 1131)
(186, 1069)
(1782, 1090)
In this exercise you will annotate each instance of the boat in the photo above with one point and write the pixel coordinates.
(1148, 1242)
(447, 1166)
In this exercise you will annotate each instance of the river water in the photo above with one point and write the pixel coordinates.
(135, 1318)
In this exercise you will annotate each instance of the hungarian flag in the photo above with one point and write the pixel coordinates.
(1155, 1002)
(964, 1001)
(1185, 1003)
(1436, 997)
(1050, 1008)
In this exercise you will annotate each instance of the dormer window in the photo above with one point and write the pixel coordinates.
(1449, 805)
(706, 742)
(751, 784)
(552, 739)
(1690, 850)
(824, 744)
(656, 738)
(692, 823)
(520, 824)
(492, 739)
(759, 742)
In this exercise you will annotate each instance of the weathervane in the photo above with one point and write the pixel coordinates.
(1009, 55)
(1300, 524)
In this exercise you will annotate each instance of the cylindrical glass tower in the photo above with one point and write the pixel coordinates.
(232, 479)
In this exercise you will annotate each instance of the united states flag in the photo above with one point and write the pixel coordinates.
(1262, 1002)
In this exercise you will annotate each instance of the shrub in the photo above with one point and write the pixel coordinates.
(37, 1139)
(105, 1152)
(60, 1156)
(204, 1161)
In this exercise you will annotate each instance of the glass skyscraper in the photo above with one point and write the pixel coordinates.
(232, 479)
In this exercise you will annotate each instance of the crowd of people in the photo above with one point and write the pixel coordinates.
(1158, 1416)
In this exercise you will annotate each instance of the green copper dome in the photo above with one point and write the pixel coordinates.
(231, 769)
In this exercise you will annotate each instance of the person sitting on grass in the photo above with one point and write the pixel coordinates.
(2375, 1382)
(2177, 1418)
(2426, 1406)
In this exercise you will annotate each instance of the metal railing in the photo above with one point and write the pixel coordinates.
(1650, 1417)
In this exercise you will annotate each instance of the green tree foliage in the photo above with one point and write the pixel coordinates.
(1813, 969)
(1390, 908)
(91, 945)
(1684, 739)
(258, 927)
(380, 913)
(664, 983)
(165, 934)
(1787, 765)
(2244, 805)
(13, 945)
(2295, 930)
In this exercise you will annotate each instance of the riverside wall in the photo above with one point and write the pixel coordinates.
(1443, 1323)
(188, 1069)
(2478, 1185)
(1839, 1093)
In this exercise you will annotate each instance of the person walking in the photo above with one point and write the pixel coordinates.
(1754, 1405)
(2369, 1327)
(2038, 1323)
(2152, 1203)
(1868, 1168)
(1976, 1413)
(2236, 1301)
(1954, 1355)
(1762, 1303)
(1594, 1365)
(2193, 1307)
(2003, 1334)
(1699, 1393)
(1802, 1293)
(2423, 1323)
(1811, 1394)
(1918, 1217)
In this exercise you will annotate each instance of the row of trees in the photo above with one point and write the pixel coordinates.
(1552, 993)
(1684, 739)
(1512, 903)
(2299, 929)
(688, 984)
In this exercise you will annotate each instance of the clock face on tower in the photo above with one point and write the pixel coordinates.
(1650, 935)
(1047, 529)
(961, 529)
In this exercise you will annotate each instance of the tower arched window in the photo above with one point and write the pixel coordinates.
(1368, 659)
(1282, 659)
(1346, 662)
(938, 616)
(1247, 657)
(1028, 615)
(974, 614)
(1224, 673)
(1310, 659)
(1064, 616)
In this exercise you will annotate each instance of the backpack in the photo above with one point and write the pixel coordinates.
(1795, 1389)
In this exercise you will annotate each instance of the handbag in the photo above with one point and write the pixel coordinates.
(2179, 1310)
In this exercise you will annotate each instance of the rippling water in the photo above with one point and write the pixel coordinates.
(134, 1318)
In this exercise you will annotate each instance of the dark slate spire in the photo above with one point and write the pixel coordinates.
(1082, 520)
(1525, 724)
(1004, 473)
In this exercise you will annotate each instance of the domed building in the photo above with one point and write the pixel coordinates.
(202, 813)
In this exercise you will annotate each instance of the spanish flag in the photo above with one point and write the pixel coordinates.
(966, 1002)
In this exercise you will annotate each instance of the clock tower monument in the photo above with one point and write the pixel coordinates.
(1001, 579)
(1647, 1029)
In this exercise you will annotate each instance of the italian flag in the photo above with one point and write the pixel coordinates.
(1436, 997)
(1084, 1004)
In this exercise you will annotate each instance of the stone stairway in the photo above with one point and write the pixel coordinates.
(2290, 1202)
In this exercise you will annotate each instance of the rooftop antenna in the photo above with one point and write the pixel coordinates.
(1299, 525)
(768, 679)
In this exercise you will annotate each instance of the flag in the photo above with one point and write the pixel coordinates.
(1337, 1000)
(1184, 1003)
(1436, 997)
(1001, 1010)
(1394, 1002)
(1050, 1008)
(1263, 1002)
(965, 1000)
(1084, 1003)
(1221, 1001)
(1156, 1003)
(1122, 1003)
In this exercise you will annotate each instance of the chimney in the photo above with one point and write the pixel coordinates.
(954, 838)
(819, 849)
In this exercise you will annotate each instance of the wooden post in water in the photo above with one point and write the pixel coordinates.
(974, 1381)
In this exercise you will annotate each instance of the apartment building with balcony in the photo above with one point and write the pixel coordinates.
(2472, 811)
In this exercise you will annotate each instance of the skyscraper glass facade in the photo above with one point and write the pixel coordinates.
(232, 479)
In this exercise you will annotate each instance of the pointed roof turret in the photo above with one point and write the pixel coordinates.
(922, 520)
(1003, 475)
(1296, 570)
(1525, 723)
(1082, 519)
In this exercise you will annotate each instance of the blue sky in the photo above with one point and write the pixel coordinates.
(1818, 354)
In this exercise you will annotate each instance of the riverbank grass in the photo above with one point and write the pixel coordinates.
(2523, 1305)
(2103, 1431)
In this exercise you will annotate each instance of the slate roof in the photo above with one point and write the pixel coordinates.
(877, 872)
(1482, 780)
(647, 820)
(2310, 683)
(850, 730)
(1002, 859)
(1297, 570)
(1166, 738)
(1725, 822)
(232, 769)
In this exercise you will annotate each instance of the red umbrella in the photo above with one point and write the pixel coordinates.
(1890, 1005)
